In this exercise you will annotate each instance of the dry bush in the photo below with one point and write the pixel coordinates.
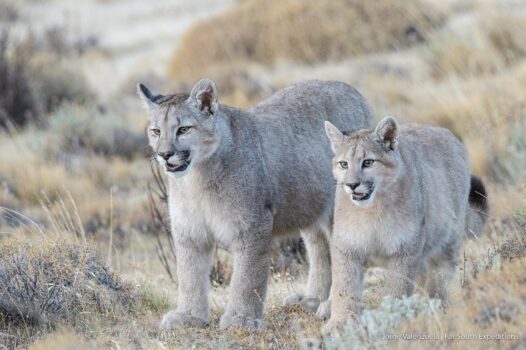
(78, 129)
(57, 81)
(45, 282)
(9, 11)
(19, 102)
(305, 31)
(33, 83)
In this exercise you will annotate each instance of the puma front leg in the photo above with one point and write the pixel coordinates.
(193, 278)
(248, 286)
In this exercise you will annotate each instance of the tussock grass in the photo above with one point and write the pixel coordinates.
(53, 277)
(303, 31)
(484, 43)
(270, 30)
(486, 113)
(45, 282)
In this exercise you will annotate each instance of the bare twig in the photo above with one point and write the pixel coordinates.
(157, 192)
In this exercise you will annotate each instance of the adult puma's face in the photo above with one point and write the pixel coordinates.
(182, 128)
(181, 138)
(366, 162)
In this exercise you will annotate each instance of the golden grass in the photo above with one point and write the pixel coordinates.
(29, 173)
(304, 31)
(492, 305)
(485, 112)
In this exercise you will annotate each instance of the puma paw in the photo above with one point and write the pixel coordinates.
(176, 319)
(324, 310)
(309, 303)
(292, 299)
(332, 327)
(240, 321)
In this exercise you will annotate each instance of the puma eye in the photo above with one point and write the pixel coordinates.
(184, 130)
(368, 163)
(156, 132)
(343, 164)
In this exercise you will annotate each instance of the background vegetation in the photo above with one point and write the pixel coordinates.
(79, 248)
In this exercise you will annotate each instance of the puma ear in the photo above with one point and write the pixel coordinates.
(387, 133)
(334, 134)
(204, 94)
(148, 97)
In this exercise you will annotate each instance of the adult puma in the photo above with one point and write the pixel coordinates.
(242, 177)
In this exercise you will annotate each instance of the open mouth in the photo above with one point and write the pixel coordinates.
(358, 196)
(176, 168)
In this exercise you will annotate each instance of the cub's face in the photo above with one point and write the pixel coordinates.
(366, 162)
(182, 129)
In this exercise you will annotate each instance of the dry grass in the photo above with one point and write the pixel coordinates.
(47, 281)
(474, 109)
(300, 31)
(272, 30)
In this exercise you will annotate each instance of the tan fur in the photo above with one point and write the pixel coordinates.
(407, 210)
(242, 177)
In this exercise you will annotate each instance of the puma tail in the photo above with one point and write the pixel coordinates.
(478, 209)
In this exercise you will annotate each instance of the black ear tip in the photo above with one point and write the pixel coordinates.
(139, 88)
(142, 88)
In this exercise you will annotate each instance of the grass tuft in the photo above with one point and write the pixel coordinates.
(45, 282)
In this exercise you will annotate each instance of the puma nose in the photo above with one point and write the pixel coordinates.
(166, 155)
(353, 186)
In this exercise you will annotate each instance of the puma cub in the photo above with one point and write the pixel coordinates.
(404, 196)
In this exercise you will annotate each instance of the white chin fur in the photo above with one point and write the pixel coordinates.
(366, 202)
(347, 189)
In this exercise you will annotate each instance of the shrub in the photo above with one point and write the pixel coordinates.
(57, 81)
(45, 282)
(375, 324)
(19, 101)
(266, 31)
(9, 11)
(35, 79)
(78, 129)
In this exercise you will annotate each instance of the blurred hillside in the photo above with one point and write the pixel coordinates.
(79, 264)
